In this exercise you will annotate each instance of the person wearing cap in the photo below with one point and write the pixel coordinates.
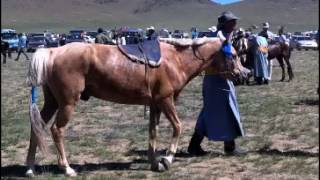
(262, 66)
(266, 33)
(151, 33)
(219, 119)
(212, 29)
(22, 46)
(101, 38)
(282, 38)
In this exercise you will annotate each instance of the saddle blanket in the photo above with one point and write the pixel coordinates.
(147, 52)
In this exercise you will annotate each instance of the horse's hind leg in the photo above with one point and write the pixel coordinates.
(62, 118)
(289, 68)
(49, 108)
(153, 127)
(168, 108)
(280, 60)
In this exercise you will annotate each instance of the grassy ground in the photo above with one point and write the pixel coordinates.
(109, 141)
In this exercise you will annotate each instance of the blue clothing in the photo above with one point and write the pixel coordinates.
(219, 119)
(22, 42)
(194, 34)
(260, 58)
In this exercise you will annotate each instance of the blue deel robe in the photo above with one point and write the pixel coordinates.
(261, 58)
(219, 119)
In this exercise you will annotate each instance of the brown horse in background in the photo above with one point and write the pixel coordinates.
(280, 51)
(71, 72)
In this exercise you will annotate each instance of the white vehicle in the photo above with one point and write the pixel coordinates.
(303, 42)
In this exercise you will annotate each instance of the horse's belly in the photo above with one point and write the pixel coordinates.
(123, 96)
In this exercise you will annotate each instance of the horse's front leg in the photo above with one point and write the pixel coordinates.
(168, 108)
(153, 127)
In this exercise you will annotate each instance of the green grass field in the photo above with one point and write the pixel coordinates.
(109, 141)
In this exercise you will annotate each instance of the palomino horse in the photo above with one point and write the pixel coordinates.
(280, 51)
(104, 72)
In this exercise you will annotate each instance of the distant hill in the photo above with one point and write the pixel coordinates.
(62, 15)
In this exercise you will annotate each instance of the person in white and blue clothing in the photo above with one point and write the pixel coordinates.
(22, 46)
(261, 65)
(219, 119)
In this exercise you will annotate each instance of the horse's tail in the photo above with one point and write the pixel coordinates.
(36, 77)
(38, 68)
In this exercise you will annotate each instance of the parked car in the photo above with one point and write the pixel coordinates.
(131, 35)
(204, 34)
(51, 39)
(90, 36)
(164, 33)
(303, 42)
(74, 38)
(10, 36)
(76, 32)
(35, 42)
(177, 34)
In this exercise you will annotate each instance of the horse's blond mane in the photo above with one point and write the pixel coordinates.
(188, 42)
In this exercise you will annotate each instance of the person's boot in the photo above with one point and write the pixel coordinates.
(194, 145)
(259, 80)
(230, 149)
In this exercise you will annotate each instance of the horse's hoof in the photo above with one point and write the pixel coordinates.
(29, 173)
(70, 172)
(161, 166)
(165, 162)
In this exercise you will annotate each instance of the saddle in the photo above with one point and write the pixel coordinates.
(146, 52)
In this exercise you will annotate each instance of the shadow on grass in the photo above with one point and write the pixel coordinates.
(179, 154)
(310, 102)
(20, 170)
(292, 153)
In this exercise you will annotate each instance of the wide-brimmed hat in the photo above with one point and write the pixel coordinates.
(240, 32)
(265, 25)
(212, 28)
(227, 16)
(150, 28)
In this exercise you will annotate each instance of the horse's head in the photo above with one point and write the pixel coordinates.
(229, 67)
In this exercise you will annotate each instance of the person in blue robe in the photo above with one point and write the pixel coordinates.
(219, 119)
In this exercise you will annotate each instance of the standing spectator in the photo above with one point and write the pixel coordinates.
(62, 39)
(266, 33)
(101, 38)
(151, 33)
(22, 45)
(4, 50)
(219, 119)
(194, 33)
(261, 72)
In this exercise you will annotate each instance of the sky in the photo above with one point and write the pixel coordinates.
(224, 2)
